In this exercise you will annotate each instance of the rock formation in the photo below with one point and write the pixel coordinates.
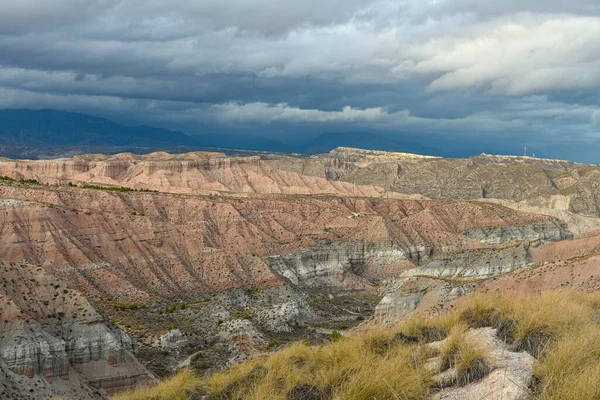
(511, 372)
(227, 255)
(50, 334)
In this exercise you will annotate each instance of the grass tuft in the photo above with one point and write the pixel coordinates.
(472, 364)
(562, 330)
(179, 387)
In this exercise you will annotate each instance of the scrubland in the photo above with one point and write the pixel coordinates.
(561, 330)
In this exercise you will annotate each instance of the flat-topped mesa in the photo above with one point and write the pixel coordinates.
(189, 174)
(210, 164)
(376, 154)
(52, 171)
(526, 160)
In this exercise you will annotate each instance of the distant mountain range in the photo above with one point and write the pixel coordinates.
(36, 129)
(53, 127)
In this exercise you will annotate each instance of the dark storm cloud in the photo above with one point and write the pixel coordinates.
(460, 68)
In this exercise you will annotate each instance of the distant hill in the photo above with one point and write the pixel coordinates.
(364, 140)
(52, 133)
(52, 127)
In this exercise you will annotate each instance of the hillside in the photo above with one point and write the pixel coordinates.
(538, 182)
(501, 347)
(205, 260)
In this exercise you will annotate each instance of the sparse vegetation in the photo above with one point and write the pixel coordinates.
(171, 308)
(560, 329)
(122, 306)
(29, 181)
(117, 188)
(470, 362)
(239, 315)
(109, 188)
(336, 336)
(272, 344)
(177, 388)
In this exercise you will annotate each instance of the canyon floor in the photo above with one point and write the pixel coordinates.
(120, 270)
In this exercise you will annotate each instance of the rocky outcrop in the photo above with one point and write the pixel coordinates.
(557, 206)
(475, 264)
(199, 173)
(509, 379)
(173, 340)
(453, 273)
(345, 265)
(49, 332)
(401, 297)
(551, 230)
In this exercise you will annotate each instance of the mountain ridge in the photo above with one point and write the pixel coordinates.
(24, 132)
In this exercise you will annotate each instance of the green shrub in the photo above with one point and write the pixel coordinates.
(336, 336)
(30, 181)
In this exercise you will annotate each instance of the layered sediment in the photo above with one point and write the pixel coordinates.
(241, 249)
(50, 332)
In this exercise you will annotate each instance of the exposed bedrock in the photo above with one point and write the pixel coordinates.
(358, 265)
(50, 334)
(346, 265)
(403, 295)
(101, 357)
(550, 230)
(474, 264)
(188, 173)
(30, 353)
(62, 169)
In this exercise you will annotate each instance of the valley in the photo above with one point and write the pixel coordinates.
(118, 270)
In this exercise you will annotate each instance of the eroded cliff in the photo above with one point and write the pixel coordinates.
(54, 342)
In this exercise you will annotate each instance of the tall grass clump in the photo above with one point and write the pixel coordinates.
(561, 330)
(179, 387)
(346, 369)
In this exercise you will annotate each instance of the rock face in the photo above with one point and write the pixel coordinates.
(50, 333)
(542, 231)
(172, 340)
(509, 379)
(200, 173)
(556, 206)
(250, 248)
(404, 295)
(345, 265)
(136, 246)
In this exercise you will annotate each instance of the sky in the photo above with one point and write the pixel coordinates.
(500, 74)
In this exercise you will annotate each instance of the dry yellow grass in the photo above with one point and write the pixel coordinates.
(354, 368)
(176, 388)
(560, 329)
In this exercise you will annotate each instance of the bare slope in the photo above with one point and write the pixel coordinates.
(484, 176)
(134, 245)
(219, 256)
(54, 342)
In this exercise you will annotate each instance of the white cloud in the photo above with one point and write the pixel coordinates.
(596, 118)
(453, 66)
(515, 57)
(267, 113)
(529, 115)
